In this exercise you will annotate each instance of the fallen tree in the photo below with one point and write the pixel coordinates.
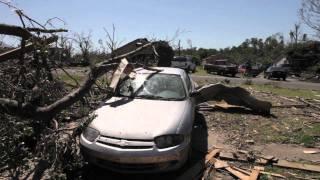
(233, 96)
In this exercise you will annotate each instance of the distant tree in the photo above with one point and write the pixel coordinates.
(85, 45)
(296, 35)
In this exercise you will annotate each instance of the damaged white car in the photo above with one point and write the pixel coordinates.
(146, 126)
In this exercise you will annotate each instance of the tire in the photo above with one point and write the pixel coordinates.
(284, 78)
(233, 75)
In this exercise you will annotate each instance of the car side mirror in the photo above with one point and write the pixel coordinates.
(194, 94)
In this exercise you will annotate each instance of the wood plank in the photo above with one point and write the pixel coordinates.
(295, 165)
(211, 155)
(273, 174)
(220, 164)
(247, 172)
(238, 174)
(254, 174)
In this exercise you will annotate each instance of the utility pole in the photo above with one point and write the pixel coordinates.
(179, 48)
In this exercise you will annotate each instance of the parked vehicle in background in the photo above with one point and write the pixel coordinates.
(221, 67)
(276, 72)
(184, 62)
(146, 126)
(250, 71)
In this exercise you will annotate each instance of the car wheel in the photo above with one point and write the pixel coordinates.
(233, 75)
(284, 78)
(269, 77)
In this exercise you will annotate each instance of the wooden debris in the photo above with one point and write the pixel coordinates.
(244, 174)
(117, 74)
(211, 155)
(247, 172)
(225, 105)
(261, 161)
(273, 174)
(295, 165)
(230, 156)
(220, 164)
(259, 168)
(238, 174)
(275, 128)
(289, 99)
(310, 104)
(311, 151)
(250, 141)
(254, 174)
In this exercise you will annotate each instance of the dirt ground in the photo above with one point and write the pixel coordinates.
(285, 134)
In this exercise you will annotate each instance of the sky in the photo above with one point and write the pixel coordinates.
(207, 23)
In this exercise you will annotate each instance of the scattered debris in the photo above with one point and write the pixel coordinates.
(295, 165)
(310, 104)
(218, 159)
(311, 151)
(250, 141)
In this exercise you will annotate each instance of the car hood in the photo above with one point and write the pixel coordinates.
(127, 118)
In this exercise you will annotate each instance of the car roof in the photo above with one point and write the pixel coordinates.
(164, 70)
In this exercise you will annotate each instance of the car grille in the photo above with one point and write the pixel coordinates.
(126, 143)
(135, 167)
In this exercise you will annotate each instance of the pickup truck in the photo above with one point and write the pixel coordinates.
(184, 62)
(221, 67)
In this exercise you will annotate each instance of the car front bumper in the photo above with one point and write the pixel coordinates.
(135, 160)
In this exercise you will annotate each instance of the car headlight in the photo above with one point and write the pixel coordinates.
(90, 134)
(168, 140)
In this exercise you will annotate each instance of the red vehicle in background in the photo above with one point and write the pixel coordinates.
(249, 71)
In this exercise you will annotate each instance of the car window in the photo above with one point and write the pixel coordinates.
(153, 86)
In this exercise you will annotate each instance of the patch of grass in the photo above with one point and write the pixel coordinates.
(65, 78)
(285, 171)
(309, 94)
(306, 140)
(286, 131)
(200, 71)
